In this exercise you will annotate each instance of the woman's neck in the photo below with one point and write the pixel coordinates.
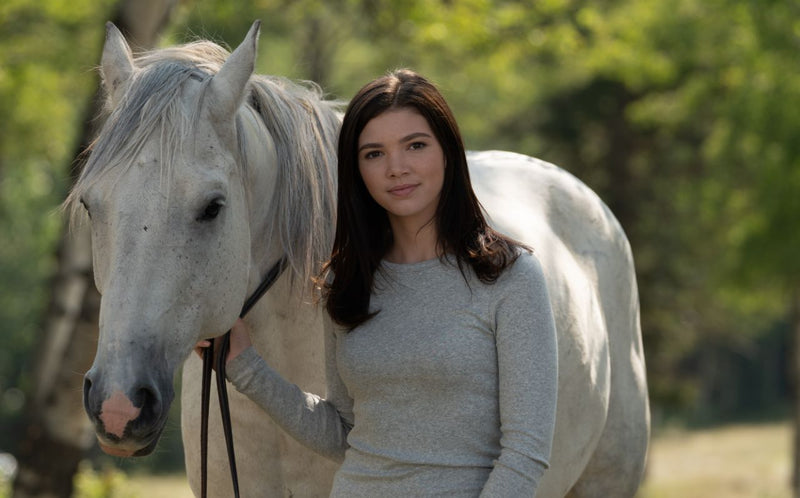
(413, 244)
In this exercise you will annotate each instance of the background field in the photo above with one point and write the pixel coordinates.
(738, 461)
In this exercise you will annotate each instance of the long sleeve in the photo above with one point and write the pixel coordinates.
(322, 424)
(528, 382)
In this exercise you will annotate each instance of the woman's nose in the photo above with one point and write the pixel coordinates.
(396, 165)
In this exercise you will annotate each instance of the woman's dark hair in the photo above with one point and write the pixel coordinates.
(363, 234)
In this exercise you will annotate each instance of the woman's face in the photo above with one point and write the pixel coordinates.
(402, 164)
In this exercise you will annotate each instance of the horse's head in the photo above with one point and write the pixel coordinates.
(180, 190)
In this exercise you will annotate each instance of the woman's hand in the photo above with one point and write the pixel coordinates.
(240, 340)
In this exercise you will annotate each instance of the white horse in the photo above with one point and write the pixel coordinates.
(205, 175)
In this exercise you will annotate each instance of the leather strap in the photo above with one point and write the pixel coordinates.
(222, 391)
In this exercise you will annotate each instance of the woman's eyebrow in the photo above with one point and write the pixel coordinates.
(414, 135)
(407, 138)
(371, 145)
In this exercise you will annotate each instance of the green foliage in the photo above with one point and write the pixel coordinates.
(47, 50)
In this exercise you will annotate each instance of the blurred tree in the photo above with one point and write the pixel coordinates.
(41, 45)
(43, 72)
(761, 136)
(57, 432)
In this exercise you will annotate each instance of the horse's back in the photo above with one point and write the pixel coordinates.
(602, 423)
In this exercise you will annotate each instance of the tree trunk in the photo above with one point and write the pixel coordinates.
(58, 433)
(794, 365)
(317, 48)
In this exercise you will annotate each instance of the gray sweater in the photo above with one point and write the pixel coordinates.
(450, 390)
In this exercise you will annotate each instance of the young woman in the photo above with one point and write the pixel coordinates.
(441, 358)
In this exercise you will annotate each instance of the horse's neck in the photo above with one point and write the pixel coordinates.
(287, 333)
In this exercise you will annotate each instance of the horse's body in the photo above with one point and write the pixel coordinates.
(190, 207)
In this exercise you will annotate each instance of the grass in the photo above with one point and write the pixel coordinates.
(162, 486)
(737, 461)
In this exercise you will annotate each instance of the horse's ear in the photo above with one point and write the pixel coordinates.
(228, 85)
(116, 64)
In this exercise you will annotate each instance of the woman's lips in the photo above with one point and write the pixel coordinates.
(402, 190)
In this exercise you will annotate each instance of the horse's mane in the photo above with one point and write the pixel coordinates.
(302, 124)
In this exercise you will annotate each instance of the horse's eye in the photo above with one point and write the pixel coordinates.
(211, 210)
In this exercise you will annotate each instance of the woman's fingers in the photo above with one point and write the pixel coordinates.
(200, 346)
(240, 340)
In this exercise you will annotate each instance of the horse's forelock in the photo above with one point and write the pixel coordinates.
(151, 104)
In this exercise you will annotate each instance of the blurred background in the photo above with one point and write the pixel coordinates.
(683, 115)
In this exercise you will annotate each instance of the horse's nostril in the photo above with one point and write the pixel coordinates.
(87, 388)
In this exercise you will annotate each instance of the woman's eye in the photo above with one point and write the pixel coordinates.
(211, 210)
(417, 145)
(372, 154)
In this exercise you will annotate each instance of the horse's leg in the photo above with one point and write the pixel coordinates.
(256, 440)
(617, 464)
(288, 333)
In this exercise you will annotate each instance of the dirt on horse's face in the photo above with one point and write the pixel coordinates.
(172, 250)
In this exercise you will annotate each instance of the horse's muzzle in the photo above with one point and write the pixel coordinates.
(128, 422)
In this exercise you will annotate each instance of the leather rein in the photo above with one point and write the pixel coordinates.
(222, 391)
